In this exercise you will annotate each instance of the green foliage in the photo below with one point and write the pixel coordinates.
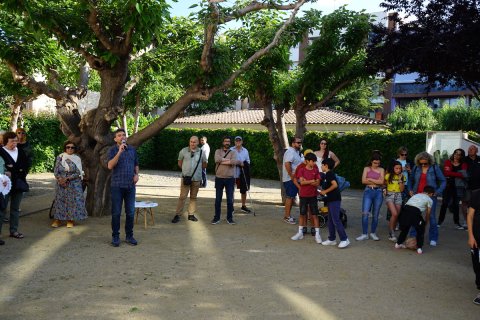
(417, 115)
(458, 118)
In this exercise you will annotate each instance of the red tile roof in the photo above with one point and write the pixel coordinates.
(318, 116)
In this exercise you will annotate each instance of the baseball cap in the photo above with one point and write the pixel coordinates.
(307, 152)
(238, 138)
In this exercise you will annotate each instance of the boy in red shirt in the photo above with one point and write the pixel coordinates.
(309, 178)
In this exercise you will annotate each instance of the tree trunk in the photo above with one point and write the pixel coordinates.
(301, 119)
(124, 123)
(16, 108)
(137, 113)
(276, 132)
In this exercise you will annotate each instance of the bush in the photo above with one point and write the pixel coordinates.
(417, 115)
(458, 117)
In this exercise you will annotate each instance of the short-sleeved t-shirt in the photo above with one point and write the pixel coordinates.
(313, 174)
(189, 163)
(420, 201)
(394, 186)
(295, 158)
(333, 195)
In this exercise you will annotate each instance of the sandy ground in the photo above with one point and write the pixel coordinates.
(251, 270)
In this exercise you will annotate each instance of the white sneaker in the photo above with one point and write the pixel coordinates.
(297, 236)
(399, 246)
(433, 243)
(329, 243)
(362, 237)
(392, 238)
(343, 244)
(374, 237)
(318, 238)
(419, 251)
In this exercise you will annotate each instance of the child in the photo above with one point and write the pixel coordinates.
(309, 178)
(395, 181)
(333, 200)
(415, 213)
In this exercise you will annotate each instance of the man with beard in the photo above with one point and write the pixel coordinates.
(291, 159)
(225, 161)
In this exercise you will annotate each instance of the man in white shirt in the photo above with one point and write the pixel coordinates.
(291, 159)
(242, 171)
(206, 150)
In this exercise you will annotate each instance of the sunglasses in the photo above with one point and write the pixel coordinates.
(71, 147)
(323, 143)
(403, 154)
(21, 132)
(424, 163)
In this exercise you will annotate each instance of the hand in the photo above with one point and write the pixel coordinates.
(135, 178)
(472, 243)
(122, 148)
(4, 183)
(410, 193)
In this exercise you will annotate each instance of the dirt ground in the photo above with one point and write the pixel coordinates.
(251, 270)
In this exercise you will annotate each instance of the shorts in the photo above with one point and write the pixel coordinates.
(395, 197)
(242, 185)
(306, 202)
(291, 189)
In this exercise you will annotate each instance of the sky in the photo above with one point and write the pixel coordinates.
(180, 8)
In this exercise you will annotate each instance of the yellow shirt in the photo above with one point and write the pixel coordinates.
(394, 186)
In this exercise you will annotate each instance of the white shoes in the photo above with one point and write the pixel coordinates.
(374, 237)
(344, 244)
(362, 237)
(329, 243)
(318, 238)
(433, 243)
(399, 246)
(297, 236)
(419, 251)
(392, 238)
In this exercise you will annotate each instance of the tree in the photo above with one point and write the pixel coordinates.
(437, 39)
(108, 35)
(417, 115)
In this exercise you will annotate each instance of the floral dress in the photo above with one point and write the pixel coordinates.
(69, 200)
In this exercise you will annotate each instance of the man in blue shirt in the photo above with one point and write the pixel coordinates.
(242, 171)
(123, 161)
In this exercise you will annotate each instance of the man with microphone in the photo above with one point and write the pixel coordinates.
(123, 161)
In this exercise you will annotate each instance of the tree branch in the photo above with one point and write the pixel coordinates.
(332, 93)
(94, 24)
(256, 6)
(210, 32)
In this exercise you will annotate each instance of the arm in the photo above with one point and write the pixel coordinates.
(332, 187)
(441, 179)
(112, 163)
(472, 243)
(180, 162)
(402, 183)
(427, 216)
(448, 170)
(288, 167)
(334, 158)
(135, 175)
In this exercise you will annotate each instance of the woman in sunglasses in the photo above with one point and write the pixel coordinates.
(69, 201)
(325, 153)
(427, 173)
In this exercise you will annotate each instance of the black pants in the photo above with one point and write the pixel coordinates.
(475, 251)
(411, 217)
(450, 200)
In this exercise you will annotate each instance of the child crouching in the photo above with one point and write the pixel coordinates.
(415, 213)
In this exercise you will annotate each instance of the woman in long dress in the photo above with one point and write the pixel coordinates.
(69, 200)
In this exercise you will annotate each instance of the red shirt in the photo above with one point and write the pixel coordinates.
(313, 174)
(422, 183)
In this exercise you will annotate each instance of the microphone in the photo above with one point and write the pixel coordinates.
(125, 144)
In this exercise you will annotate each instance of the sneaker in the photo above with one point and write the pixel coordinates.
(419, 251)
(433, 243)
(477, 299)
(318, 239)
(2, 242)
(215, 221)
(362, 237)
(392, 237)
(230, 221)
(297, 236)
(115, 241)
(176, 218)
(289, 220)
(192, 217)
(329, 243)
(313, 232)
(399, 246)
(245, 209)
(459, 227)
(374, 236)
(131, 240)
(344, 244)
(304, 230)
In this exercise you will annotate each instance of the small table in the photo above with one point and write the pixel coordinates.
(144, 208)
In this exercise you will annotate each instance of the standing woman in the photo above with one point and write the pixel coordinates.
(69, 201)
(395, 182)
(373, 177)
(16, 167)
(25, 145)
(455, 171)
(325, 153)
(427, 173)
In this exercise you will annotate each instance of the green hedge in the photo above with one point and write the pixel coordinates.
(353, 149)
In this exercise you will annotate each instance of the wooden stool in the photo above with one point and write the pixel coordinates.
(144, 208)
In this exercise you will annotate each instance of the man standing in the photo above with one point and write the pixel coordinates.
(291, 159)
(473, 173)
(473, 224)
(123, 160)
(191, 160)
(225, 160)
(242, 171)
(206, 151)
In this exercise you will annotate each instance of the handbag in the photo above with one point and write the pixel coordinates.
(21, 185)
(187, 180)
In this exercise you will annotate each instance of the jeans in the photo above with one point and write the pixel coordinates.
(228, 184)
(204, 182)
(432, 228)
(118, 196)
(14, 199)
(334, 222)
(372, 201)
